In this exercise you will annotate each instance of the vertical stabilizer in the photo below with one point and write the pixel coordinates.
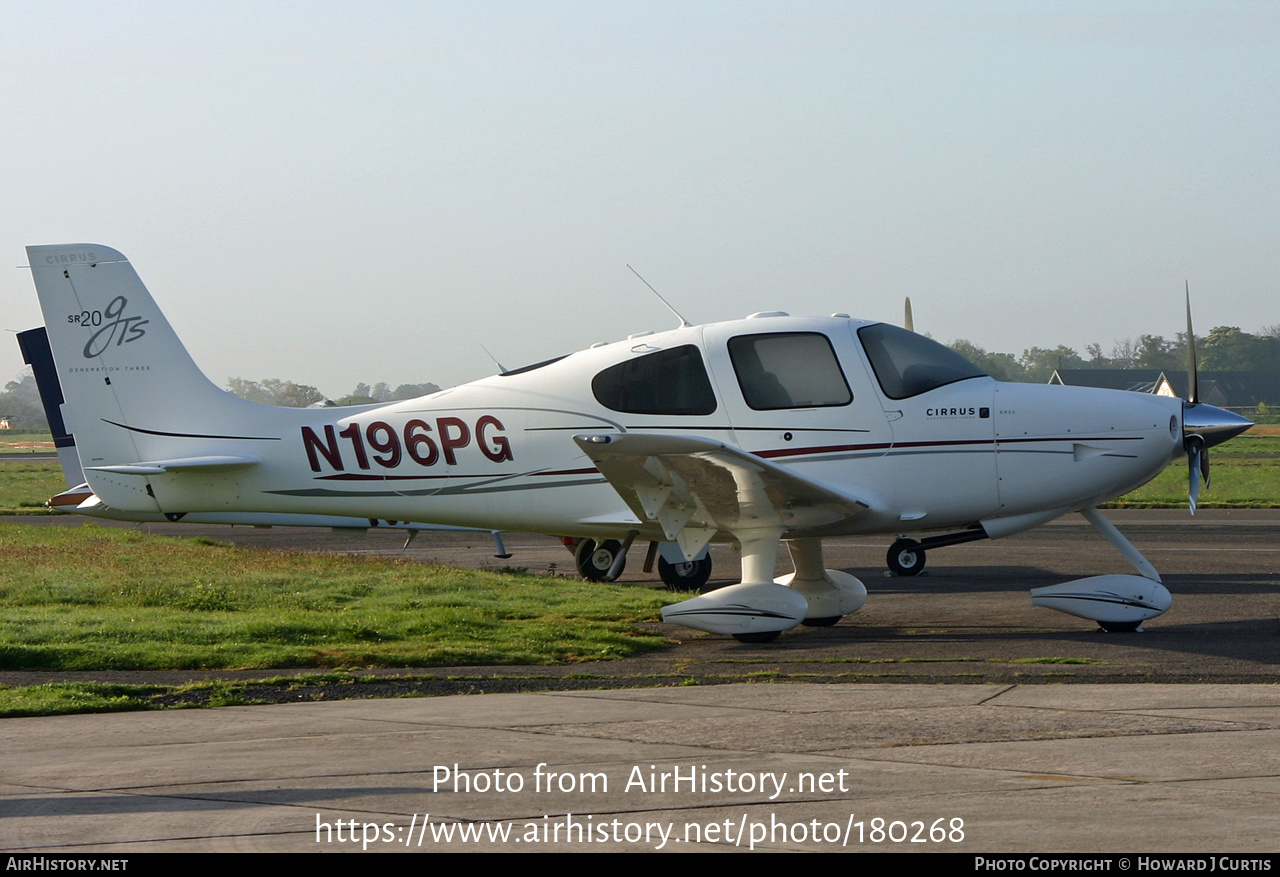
(135, 392)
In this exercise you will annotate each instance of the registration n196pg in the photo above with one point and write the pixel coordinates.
(415, 442)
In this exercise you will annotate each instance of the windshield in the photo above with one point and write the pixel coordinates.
(907, 364)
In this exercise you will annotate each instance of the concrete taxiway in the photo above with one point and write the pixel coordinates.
(1095, 766)
(957, 768)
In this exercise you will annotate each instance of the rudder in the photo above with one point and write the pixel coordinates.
(34, 344)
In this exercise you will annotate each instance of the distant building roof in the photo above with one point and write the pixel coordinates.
(1224, 389)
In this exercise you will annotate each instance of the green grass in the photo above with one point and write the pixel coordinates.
(62, 698)
(25, 485)
(10, 438)
(1238, 482)
(1053, 660)
(98, 598)
(1248, 444)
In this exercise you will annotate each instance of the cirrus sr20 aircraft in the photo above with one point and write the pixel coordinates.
(757, 431)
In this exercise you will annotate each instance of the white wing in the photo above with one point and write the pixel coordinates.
(695, 487)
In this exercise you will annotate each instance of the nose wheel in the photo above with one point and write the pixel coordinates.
(905, 557)
(1120, 627)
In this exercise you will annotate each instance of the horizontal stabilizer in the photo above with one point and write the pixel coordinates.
(160, 467)
(694, 487)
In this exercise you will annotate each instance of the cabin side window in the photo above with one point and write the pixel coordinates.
(788, 370)
(672, 382)
(907, 364)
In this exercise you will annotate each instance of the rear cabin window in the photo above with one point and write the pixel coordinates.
(907, 364)
(672, 382)
(788, 370)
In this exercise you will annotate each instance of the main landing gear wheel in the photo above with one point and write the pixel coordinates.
(825, 621)
(686, 575)
(1119, 627)
(766, 636)
(595, 560)
(905, 557)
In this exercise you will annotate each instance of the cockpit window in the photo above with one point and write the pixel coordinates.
(788, 370)
(907, 364)
(671, 382)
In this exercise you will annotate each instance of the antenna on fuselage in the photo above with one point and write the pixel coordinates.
(502, 369)
(684, 324)
(907, 322)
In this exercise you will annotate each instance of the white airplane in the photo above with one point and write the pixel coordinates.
(756, 431)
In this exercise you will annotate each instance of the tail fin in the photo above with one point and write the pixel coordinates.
(131, 390)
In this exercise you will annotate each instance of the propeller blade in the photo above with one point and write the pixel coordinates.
(1193, 391)
(1195, 446)
(1193, 459)
(1204, 466)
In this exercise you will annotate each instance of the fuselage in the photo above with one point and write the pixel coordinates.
(886, 416)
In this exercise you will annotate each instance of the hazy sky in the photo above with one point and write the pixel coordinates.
(330, 192)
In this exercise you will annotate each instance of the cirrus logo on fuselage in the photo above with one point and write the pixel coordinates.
(960, 411)
(111, 327)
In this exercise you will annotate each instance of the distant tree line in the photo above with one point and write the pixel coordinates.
(273, 391)
(20, 401)
(287, 394)
(20, 405)
(1225, 348)
(363, 394)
